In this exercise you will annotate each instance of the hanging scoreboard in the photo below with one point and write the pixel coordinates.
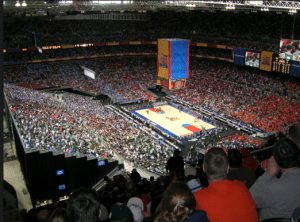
(173, 62)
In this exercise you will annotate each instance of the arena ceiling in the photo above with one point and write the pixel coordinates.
(62, 6)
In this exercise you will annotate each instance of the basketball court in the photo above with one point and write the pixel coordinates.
(175, 122)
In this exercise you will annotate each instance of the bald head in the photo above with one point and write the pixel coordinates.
(215, 164)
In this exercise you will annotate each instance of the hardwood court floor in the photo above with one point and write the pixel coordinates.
(173, 120)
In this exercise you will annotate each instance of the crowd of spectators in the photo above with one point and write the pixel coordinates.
(124, 79)
(232, 91)
(21, 57)
(92, 51)
(218, 188)
(211, 52)
(246, 95)
(270, 113)
(294, 89)
(78, 125)
(213, 93)
(240, 141)
(221, 28)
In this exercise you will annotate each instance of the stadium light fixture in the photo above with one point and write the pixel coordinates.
(108, 2)
(255, 2)
(265, 9)
(127, 2)
(292, 11)
(191, 5)
(40, 50)
(24, 4)
(65, 2)
(230, 7)
(17, 4)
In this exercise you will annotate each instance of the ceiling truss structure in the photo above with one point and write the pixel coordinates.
(291, 7)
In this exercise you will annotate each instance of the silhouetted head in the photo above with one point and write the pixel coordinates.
(235, 158)
(286, 153)
(176, 152)
(83, 206)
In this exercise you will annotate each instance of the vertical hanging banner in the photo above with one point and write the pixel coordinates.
(266, 60)
(239, 56)
(173, 62)
(179, 59)
(163, 59)
(295, 69)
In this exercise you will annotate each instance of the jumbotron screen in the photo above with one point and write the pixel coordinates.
(252, 59)
(289, 49)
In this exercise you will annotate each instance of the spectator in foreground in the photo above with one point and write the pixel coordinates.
(160, 186)
(43, 215)
(120, 211)
(224, 200)
(175, 162)
(135, 176)
(178, 204)
(136, 207)
(200, 173)
(277, 197)
(236, 171)
(58, 215)
(83, 206)
(103, 213)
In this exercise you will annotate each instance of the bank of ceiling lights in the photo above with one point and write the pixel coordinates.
(18, 4)
(190, 5)
(230, 7)
(65, 2)
(265, 9)
(292, 11)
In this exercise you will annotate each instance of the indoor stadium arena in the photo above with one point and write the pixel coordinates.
(151, 111)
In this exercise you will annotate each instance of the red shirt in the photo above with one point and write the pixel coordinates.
(227, 201)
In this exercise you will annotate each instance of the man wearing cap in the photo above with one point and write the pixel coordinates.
(136, 206)
(275, 195)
